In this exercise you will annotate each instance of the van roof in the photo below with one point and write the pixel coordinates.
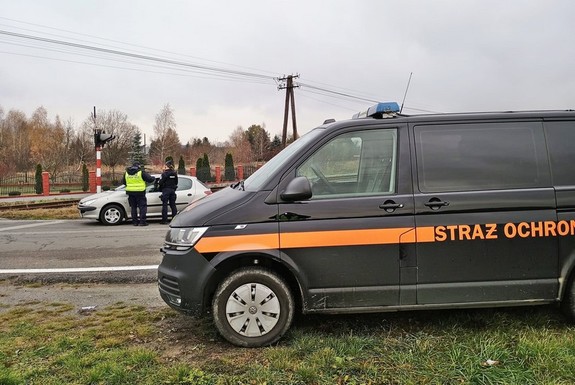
(391, 110)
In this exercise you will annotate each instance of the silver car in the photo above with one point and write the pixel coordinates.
(112, 208)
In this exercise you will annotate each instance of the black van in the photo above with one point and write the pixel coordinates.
(384, 212)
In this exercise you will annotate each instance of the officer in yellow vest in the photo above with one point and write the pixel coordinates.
(135, 179)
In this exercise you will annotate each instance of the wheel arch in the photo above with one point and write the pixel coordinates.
(254, 259)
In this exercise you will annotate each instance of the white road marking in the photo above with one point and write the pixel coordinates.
(30, 225)
(78, 269)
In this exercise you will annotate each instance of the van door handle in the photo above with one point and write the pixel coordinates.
(436, 204)
(390, 206)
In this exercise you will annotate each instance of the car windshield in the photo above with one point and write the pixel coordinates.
(269, 170)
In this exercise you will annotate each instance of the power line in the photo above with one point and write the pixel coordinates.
(119, 42)
(338, 93)
(134, 55)
(205, 71)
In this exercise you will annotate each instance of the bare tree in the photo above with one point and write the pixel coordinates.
(82, 148)
(164, 135)
(17, 141)
(240, 147)
(117, 151)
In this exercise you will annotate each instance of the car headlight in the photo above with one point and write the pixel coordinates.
(88, 203)
(183, 238)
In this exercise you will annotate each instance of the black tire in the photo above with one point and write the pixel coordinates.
(568, 303)
(253, 307)
(112, 215)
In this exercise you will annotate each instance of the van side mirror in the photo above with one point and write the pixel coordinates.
(298, 189)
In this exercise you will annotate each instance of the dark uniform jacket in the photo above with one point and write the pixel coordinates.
(169, 180)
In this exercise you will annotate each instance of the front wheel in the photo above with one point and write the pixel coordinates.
(112, 215)
(253, 307)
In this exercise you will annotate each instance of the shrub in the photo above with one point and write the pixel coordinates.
(38, 187)
(181, 166)
(229, 171)
(85, 178)
(13, 193)
(65, 190)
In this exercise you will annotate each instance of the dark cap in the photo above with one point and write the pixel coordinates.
(170, 163)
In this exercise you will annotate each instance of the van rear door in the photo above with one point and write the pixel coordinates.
(485, 212)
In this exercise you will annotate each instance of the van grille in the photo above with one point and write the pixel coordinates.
(169, 285)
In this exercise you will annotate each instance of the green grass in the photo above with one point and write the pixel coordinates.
(44, 343)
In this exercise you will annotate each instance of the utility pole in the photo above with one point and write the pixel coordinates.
(98, 146)
(287, 84)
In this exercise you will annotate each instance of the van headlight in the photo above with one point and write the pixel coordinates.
(183, 238)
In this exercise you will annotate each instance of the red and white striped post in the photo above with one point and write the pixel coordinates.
(98, 169)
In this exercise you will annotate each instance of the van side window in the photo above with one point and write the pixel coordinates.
(481, 156)
(561, 142)
(352, 164)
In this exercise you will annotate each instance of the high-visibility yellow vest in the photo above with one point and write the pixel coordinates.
(135, 182)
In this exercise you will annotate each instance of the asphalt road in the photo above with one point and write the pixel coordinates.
(79, 250)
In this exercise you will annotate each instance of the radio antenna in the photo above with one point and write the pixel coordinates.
(405, 95)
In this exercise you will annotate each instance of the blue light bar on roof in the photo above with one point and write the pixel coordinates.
(379, 108)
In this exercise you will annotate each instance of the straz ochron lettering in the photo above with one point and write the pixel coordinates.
(508, 230)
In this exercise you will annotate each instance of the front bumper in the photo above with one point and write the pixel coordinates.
(183, 279)
(88, 211)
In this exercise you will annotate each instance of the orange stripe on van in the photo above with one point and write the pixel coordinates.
(238, 243)
(425, 234)
(343, 237)
(315, 239)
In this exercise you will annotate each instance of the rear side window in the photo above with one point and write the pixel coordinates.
(184, 184)
(481, 156)
(353, 164)
(561, 142)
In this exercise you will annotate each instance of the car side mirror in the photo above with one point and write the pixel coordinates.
(298, 189)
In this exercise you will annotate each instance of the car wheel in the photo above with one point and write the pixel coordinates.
(253, 307)
(112, 215)
(568, 303)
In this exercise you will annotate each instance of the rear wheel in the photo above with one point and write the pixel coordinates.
(568, 303)
(253, 307)
(112, 215)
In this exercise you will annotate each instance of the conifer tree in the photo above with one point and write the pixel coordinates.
(229, 171)
(181, 166)
(85, 178)
(137, 153)
(38, 187)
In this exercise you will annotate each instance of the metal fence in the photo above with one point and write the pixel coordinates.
(24, 183)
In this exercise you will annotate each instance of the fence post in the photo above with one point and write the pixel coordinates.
(192, 171)
(218, 174)
(240, 172)
(92, 181)
(45, 183)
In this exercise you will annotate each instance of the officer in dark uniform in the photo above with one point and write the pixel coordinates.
(168, 185)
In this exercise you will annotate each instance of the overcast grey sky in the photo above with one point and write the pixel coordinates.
(464, 56)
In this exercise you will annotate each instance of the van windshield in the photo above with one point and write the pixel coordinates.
(269, 170)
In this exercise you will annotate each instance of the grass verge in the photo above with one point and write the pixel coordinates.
(45, 214)
(51, 343)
